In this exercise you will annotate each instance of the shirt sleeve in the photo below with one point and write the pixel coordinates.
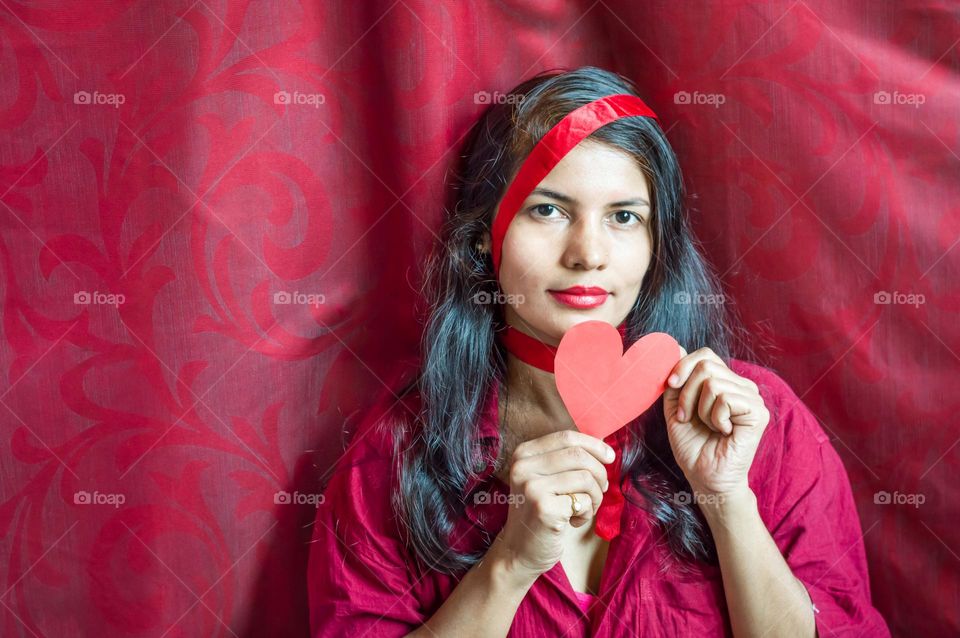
(817, 528)
(358, 579)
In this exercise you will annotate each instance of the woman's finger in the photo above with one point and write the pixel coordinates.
(572, 482)
(684, 368)
(586, 509)
(557, 461)
(716, 391)
(563, 439)
(690, 392)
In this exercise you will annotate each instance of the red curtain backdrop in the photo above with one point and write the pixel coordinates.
(213, 216)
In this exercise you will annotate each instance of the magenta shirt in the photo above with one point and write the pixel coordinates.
(362, 581)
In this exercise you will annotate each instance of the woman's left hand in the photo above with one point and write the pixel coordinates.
(715, 419)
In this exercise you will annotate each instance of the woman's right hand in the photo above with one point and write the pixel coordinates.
(543, 473)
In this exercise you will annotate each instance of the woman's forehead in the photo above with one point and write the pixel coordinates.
(594, 170)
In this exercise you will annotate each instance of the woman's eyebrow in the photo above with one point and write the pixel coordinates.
(638, 201)
(566, 199)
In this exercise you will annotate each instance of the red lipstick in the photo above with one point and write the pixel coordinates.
(580, 297)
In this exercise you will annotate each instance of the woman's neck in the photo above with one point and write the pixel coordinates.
(529, 407)
(535, 405)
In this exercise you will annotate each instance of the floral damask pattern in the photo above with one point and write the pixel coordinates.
(213, 216)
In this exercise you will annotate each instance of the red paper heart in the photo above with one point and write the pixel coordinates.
(603, 387)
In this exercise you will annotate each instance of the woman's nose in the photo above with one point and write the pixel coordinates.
(586, 245)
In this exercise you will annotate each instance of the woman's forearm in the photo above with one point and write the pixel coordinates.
(763, 596)
(485, 600)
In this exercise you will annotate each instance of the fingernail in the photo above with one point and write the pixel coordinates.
(611, 454)
(674, 378)
(681, 414)
(606, 484)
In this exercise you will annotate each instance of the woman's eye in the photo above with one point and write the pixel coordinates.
(625, 217)
(543, 210)
(622, 217)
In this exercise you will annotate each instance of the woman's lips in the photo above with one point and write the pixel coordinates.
(580, 300)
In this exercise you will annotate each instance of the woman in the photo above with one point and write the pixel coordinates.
(478, 509)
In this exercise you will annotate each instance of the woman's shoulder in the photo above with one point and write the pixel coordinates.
(795, 456)
(369, 440)
(359, 484)
(359, 565)
(380, 429)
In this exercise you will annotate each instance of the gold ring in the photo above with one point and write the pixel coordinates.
(574, 504)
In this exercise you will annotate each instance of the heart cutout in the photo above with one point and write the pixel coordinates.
(603, 387)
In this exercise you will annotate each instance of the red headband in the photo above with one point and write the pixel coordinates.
(559, 140)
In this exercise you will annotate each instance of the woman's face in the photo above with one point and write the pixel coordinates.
(586, 224)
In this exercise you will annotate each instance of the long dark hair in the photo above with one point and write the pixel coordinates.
(461, 359)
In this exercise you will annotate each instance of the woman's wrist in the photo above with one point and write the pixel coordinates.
(485, 600)
(505, 570)
(723, 510)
